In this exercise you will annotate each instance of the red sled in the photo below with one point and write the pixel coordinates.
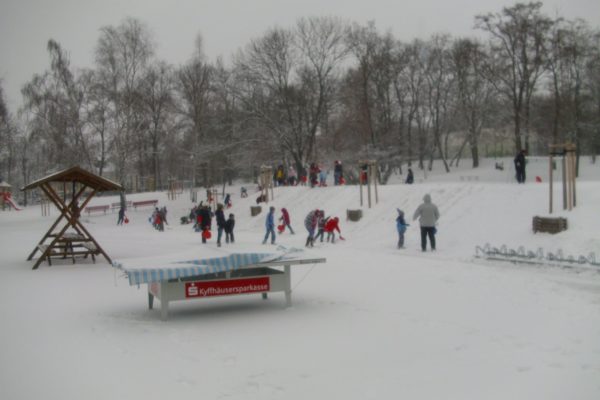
(342, 180)
(281, 228)
(206, 234)
(126, 220)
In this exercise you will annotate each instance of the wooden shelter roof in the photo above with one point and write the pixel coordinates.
(77, 174)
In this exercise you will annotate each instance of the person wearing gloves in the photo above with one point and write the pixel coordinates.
(428, 215)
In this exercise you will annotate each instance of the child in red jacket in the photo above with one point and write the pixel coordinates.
(285, 219)
(331, 226)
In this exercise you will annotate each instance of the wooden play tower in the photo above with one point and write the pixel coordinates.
(67, 237)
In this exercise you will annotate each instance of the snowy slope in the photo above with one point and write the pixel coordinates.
(373, 322)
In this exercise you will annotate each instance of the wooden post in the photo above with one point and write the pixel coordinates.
(550, 182)
(369, 184)
(574, 178)
(360, 182)
(564, 182)
(375, 179)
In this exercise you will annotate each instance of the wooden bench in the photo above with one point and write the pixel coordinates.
(92, 209)
(144, 203)
(117, 206)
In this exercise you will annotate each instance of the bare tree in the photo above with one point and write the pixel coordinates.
(474, 92)
(286, 78)
(518, 38)
(55, 101)
(193, 86)
(122, 55)
(156, 91)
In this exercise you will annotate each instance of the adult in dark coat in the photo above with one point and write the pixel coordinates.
(220, 216)
(520, 163)
(206, 222)
(410, 178)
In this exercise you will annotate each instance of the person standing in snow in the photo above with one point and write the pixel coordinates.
(270, 225)
(205, 220)
(229, 225)
(285, 218)
(220, 216)
(121, 216)
(321, 227)
(338, 173)
(428, 215)
(520, 166)
(292, 176)
(401, 227)
(410, 178)
(310, 223)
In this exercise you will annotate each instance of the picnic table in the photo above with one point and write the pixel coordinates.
(69, 245)
(235, 274)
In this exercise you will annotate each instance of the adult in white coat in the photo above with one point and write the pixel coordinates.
(428, 215)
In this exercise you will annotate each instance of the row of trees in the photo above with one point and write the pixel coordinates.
(320, 90)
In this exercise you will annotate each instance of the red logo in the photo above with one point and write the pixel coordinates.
(227, 288)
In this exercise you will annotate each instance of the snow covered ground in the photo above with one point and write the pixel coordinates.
(374, 322)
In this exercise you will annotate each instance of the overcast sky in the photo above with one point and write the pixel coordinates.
(225, 25)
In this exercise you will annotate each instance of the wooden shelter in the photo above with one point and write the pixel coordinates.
(78, 242)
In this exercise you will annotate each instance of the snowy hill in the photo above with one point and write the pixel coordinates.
(373, 322)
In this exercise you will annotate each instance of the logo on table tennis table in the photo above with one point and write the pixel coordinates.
(227, 287)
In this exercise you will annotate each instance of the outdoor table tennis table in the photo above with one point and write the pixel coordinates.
(235, 274)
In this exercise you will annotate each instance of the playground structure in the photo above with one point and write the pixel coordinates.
(71, 239)
(368, 177)
(175, 189)
(45, 205)
(212, 198)
(266, 183)
(6, 197)
(567, 152)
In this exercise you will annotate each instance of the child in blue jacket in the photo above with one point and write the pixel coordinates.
(401, 226)
(270, 226)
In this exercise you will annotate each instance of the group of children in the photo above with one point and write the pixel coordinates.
(315, 223)
(202, 216)
(313, 175)
(158, 219)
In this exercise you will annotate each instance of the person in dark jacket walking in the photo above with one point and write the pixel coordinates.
(428, 215)
(220, 216)
(270, 226)
(520, 166)
(229, 225)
